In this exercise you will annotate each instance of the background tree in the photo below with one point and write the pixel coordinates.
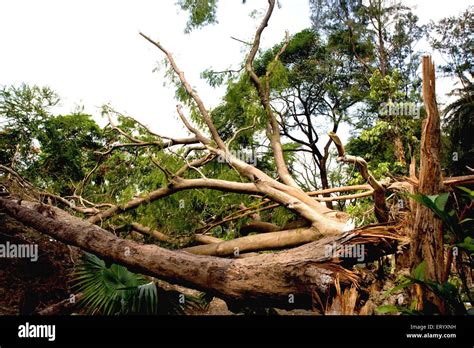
(23, 109)
(320, 82)
(452, 37)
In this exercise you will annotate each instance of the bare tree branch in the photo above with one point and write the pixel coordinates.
(381, 210)
(178, 184)
(191, 92)
(264, 92)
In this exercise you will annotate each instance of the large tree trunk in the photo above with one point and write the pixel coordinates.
(286, 279)
(427, 244)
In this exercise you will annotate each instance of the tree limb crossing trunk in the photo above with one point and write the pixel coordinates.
(264, 280)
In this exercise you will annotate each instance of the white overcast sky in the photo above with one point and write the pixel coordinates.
(89, 51)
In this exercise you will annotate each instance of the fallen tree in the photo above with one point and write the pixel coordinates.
(305, 273)
(263, 280)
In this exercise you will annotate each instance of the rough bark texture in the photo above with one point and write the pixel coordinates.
(263, 280)
(399, 151)
(324, 180)
(427, 244)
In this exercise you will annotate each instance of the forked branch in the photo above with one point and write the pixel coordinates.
(380, 209)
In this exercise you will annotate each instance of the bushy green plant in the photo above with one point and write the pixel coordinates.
(447, 291)
(114, 290)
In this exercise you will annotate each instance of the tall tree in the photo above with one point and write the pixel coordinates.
(22, 110)
(319, 83)
(453, 38)
(382, 36)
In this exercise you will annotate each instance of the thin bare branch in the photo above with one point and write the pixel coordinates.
(243, 129)
(273, 132)
(381, 210)
(191, 92)
(176, 185)
(203, 139)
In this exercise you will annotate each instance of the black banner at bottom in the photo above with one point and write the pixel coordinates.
(291, 331)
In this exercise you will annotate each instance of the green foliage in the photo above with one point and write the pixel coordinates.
(302, 46)
(53, 152)
(67, 146)
(114, 290)
(240, 108)
(314, 84)
(8, 139)
(389, 309)
(380, 33)
(382, 37)
(459, 125)
(437, 204)
(279, 216)
(216, 79)
(383, 88)
(351, 44)
(201, 13)
(449, 37)
(23, 110)
(457, 217)
(452, 36)
(403, 56)
(331, 15)
(339, 70)
(23, 107)
(458, 233)
(447, 291)
(362, 212)
(376, 146)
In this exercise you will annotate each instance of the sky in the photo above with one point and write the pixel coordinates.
(90, 52)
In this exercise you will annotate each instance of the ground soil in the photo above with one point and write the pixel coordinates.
(27, 287)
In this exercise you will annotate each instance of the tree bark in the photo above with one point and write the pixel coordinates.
(398, 148)
(258, 226)
(266, 241)
(264, 280)
(380, 205)
(324, 180)
(150, 232)
(204, 239)
(427, 244)
(63, 307)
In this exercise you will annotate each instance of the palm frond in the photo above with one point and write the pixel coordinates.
(114, 290)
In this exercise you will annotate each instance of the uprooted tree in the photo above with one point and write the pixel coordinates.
(306, 261)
